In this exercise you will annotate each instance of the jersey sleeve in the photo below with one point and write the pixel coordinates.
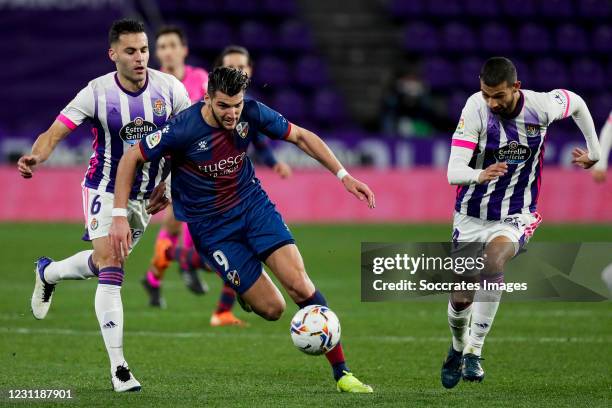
(271, 123)
(469, 128)
(181, 97)
(79, 109)
(160, 143)
(557, 105)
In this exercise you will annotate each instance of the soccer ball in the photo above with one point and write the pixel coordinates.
(315, 329)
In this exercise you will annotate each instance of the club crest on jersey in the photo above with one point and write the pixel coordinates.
(243, 129)
(513, 153)
(159, 107)
(153, 139)
(233, 277)
(532, 130)
(132, 132)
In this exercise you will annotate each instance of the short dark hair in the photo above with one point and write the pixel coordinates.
(124, 26)
(496, 70)
(233, 49)
(230, 81)
(172, 29)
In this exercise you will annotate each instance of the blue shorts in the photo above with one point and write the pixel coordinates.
(236, 242)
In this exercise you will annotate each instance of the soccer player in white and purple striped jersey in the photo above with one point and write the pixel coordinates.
(496, 161)
(121, 108)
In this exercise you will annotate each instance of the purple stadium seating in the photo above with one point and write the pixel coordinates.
(213, 35)
(280, 8)
(311, 71)
(549, 74)
(533, 38)
(479, 8)
(290, 103)
(241, 7)
(420, 37)
(602, 39)
(496, 37)
(444, 8)
(403, 8)
(438, 73)
(519, 8)
(571, 39)
(272, 71)
(295, 36)
(327, 107)
(256, 36)
(459, 38)
(594, 8)
(468, 72)
(456, 102)
(587, 75)
(556, 8)
(600, 107)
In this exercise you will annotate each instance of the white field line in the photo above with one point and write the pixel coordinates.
(252, 335)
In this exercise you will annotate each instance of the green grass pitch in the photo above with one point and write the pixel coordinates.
(537, 354)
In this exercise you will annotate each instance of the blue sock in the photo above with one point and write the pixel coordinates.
(316, 299)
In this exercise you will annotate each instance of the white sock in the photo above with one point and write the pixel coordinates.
(458, 321)
(109, 310)
(75, 267)
(485, 306)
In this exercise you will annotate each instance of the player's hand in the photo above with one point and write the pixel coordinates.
(599, 176)
(158, 200)
(26, 165)
(282, 169)
(359, 190)
(581, 158)
(492, 172)
(120, 238)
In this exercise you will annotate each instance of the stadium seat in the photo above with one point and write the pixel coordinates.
(458, 37)
(556, 8)
(601, 40)
(280, 8)
(479, 8)
(403, 8)
(213, 35)
(444, 8)
(311, 71)
(571, 39)
(594, 9)
(456, 102)
(549, 74)
(241, 7)
(438, 73)
(272, 71)
(519, 8)
(533, 38)
(420, 37)
(468, 71)
(256, 36)
(327, 107)
(587, 75)
(295, 36)
(495, 37)
(290, 104)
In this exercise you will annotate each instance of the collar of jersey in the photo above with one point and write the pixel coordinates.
(138, 92)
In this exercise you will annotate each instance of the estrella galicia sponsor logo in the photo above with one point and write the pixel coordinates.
(133, 131)
(159, 107)
(233, 277)
(243, 129)
(532, 130)
(513, 153)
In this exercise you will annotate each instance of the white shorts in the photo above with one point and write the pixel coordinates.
(97, 208)
(519, 228)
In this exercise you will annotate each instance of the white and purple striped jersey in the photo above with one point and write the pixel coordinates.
(119, 119)
(518, 140)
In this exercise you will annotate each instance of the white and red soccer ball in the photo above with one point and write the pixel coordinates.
(315, 330)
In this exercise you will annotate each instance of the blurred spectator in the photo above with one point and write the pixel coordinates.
(409, 110)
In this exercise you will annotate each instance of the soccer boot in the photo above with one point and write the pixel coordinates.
(451, 368)
(226, 318)
(155, 297)
(160, 255)
(349, 383)
(193, 282)
(123, 380)
(43, 291)
(472, 370)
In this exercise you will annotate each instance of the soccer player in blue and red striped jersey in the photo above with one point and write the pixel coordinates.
(233, 223)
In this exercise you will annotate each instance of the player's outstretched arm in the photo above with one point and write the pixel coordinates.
(577, 108)
(119, 233)
(42, 148)
(316, 148)
(605, 140)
